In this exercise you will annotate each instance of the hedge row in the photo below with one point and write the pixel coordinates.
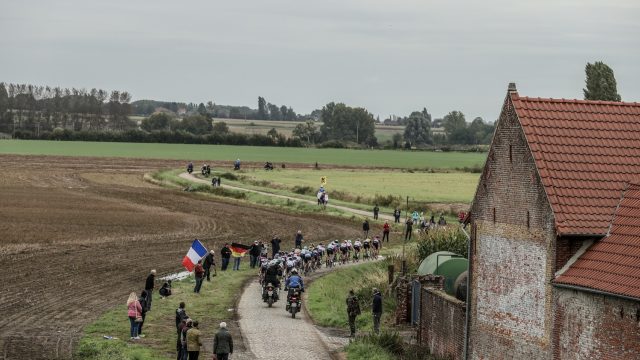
(169, 137)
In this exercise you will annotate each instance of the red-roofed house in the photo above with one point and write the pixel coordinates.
(551, 277)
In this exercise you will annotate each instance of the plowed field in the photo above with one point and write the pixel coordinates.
(78, 234)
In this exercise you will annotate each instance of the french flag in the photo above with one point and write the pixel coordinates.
(197, 252)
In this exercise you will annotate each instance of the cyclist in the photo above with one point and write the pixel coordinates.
(356, 250)
(366, 245)
(376, 246)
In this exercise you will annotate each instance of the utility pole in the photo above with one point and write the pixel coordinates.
(404, 260)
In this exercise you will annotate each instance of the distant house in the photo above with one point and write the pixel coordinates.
(555, 243)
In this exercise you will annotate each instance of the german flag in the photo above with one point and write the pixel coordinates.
(239, 249)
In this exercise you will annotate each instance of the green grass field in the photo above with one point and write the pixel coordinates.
(210, 307)
(345, 157)
(419, 186)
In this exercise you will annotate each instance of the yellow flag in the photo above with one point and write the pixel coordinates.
(323, 180)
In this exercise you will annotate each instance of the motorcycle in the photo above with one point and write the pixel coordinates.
(269, 294)
(293, 302)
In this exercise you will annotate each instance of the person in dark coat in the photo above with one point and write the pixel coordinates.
(353, 310)
(144, 303)
(409, 230)
(209, 261)
(376, 210)
(181, 315)
(376, 309)
(396, 215)
(365, 228)
(223, 343)
(254, 254)
(182, 353)
(149, 285)
(225, 255)
(275, 245)
(299, 239)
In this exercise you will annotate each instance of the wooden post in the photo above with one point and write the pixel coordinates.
(391, 271)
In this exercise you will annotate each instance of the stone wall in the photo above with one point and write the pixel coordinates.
(591, 326)
(442, 320)
(513, 254)
(403, 290)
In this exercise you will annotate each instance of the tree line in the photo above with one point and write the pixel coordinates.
(42, 108)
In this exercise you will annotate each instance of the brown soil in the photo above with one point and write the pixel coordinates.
(78, 234)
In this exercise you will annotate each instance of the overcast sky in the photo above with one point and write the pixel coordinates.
(391, 57)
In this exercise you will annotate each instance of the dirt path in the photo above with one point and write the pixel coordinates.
(190, 177)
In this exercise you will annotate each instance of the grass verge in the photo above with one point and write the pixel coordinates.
(210, 307)
(326, 296)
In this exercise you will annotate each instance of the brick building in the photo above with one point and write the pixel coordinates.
(551, 277)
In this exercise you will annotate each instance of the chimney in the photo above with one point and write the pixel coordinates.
(512, 87)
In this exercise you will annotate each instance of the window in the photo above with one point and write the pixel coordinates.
(510, 153)
(528, 220)
(494, 215)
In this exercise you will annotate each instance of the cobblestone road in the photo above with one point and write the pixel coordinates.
(269, 331)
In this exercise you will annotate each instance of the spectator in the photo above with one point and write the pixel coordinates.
(134, 311)
(376, 309)
(353, 310)
(236, 260)
(254, 254)
(275, 245)
(225, 255)
(180, 315)
(144, 305)
(409, 230)
(149, 285)
(183, 339)
(182, 352)
(209, 261)
(385, 231)
(396, 215)
(365, 228)
(198, 271)
(442, 221)
(223, 343)
(165, 290)
(432, 221)
(299, 239)
(193, 341)
(376, 210)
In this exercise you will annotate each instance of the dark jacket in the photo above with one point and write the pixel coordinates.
(208, 261)
(255, 250)
(376, 210)
(353, 306)
(275, 244)
(223, 342)
(150, 283)
(365, 226)
(144, 302)
(225, 252)
(180, 314)
(377, 303)
(397, 213)
(299, 238)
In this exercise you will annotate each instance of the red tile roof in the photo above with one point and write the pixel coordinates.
(585, 152)
(613, 263)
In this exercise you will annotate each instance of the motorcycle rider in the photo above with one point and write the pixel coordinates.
(271, 276)
(294, 282)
